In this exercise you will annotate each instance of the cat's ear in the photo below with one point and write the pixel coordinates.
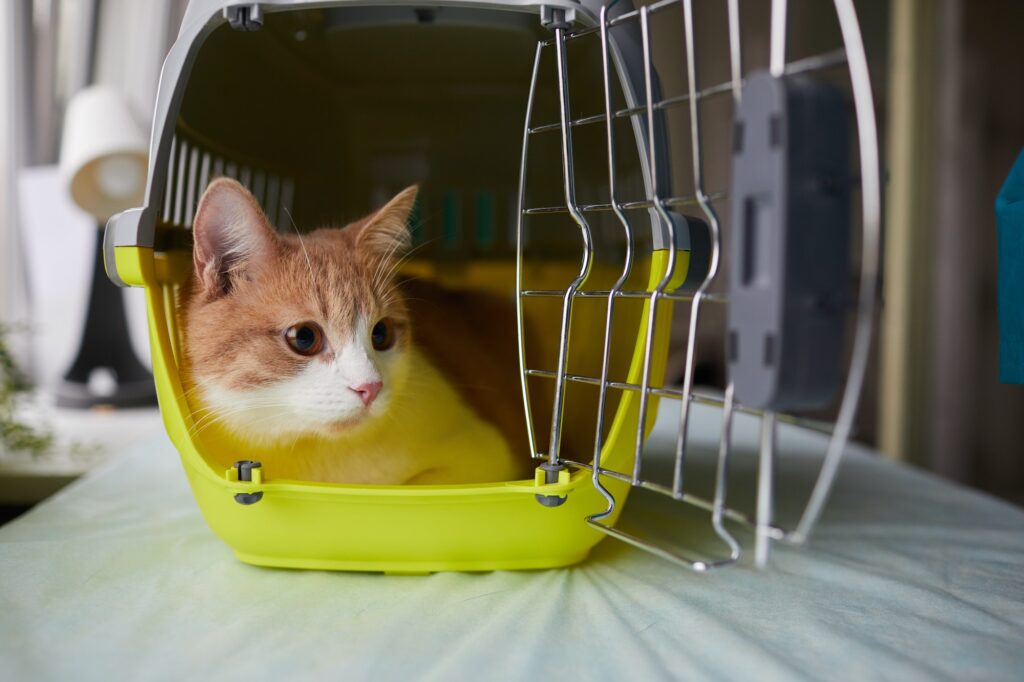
(231, 236)
(385, 234)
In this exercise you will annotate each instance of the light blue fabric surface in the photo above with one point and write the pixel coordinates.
(908, 577)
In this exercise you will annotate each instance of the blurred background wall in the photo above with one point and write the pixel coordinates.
(955, 124)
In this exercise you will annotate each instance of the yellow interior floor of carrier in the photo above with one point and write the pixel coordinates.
(582, 198)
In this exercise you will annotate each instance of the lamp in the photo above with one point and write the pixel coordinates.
(103, 164)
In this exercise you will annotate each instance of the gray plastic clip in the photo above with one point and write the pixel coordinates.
(557, 17)
(245, 467)
(551, 476)
(244, 17)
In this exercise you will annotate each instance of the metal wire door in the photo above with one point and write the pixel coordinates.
(646, 113)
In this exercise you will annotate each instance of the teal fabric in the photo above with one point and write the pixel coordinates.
(909, 577)
(1010, 220)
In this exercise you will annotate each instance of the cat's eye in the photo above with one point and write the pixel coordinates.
(383, 334)
(305, 338)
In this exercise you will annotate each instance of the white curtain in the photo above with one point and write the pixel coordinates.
(15, 20)
(49, 49)
(133, 37)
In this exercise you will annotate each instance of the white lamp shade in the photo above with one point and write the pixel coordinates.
(103, 153)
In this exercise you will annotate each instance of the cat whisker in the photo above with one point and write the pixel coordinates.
(383, 262)
(218, 415)
(189, 392)
(397, 263)
(309, 263)
(249, 405)
(213, 414)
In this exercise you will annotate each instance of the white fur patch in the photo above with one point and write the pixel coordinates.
(319, 399)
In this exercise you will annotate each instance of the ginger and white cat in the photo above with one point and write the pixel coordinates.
(308, 354)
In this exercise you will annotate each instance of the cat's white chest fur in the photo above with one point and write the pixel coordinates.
(427, 434)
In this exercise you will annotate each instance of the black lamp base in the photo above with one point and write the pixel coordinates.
(105, 345)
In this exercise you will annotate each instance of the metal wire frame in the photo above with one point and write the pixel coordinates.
(569, 186)
(595, 519)
(765, 531)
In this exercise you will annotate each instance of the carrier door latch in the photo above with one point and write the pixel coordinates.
(791, 243)
(244, 17)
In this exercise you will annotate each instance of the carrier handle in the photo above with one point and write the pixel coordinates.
(121, 231)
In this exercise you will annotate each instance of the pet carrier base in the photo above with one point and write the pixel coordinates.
(394, 529)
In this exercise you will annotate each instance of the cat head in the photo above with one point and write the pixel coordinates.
(290, 335)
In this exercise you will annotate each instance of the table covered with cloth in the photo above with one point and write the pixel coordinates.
(906, 577)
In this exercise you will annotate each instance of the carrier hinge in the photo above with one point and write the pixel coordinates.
(557, 17)
(244, 17)
(548, 473)
(248, 471)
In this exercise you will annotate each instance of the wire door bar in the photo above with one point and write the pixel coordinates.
(658, 201)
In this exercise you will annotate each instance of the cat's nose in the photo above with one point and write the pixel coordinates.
(368, 392)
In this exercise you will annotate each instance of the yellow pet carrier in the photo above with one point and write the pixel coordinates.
(594, 214)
